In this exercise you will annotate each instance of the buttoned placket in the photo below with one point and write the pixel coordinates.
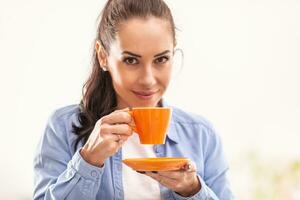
(117, 175)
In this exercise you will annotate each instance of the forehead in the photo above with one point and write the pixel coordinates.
(145, 35)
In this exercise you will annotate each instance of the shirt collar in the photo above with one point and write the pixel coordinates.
(172, 132)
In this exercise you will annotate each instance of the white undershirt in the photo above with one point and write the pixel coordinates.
(138, 186)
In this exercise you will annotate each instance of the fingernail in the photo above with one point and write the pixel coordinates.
(186, 167)
(154, 172)
(189, 166)
(141, 172)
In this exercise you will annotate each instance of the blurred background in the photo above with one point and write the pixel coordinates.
(241, 71)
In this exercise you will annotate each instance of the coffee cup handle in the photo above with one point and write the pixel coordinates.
(130, 112)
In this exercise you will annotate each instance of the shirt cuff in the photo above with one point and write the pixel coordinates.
(84, 168)
(201, 194)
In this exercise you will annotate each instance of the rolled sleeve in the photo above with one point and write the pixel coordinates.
(57, 173)
(85, 169)
(203, 194)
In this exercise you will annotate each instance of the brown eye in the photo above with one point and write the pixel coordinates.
(130, 61)
(161, 60)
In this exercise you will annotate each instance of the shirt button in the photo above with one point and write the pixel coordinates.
(94, 173)
(72, 173)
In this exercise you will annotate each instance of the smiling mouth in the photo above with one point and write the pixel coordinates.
(144, 95)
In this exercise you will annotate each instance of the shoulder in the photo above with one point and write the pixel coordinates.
(64, 113)
(193, 126)
(62, 118)
(59, 127)
(183, 117)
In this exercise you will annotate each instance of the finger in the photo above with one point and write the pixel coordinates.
(122, 138)
(157, 176)
(168, 182)
(115, 144)
(116, 137)
(111, 146)
(133, 126)
(122, 110)
(122, 129)
(132, 123)
(117, 117)
(190, 167)
(176, 175)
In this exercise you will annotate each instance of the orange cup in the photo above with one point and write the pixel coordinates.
(151, 123)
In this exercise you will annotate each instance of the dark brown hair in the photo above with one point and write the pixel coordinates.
(99, 97)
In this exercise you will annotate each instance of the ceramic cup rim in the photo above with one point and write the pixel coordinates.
(151, 108)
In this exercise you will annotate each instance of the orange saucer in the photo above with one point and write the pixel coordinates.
(156, 164)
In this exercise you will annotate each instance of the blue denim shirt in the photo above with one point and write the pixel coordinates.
(61, 173)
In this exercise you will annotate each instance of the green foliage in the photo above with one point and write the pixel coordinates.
(273, 179)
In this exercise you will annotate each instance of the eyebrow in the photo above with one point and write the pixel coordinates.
(136, 55)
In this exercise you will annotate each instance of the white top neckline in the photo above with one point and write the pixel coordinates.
(138, 186)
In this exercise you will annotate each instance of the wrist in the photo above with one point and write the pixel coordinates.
(86, 156)
(193, 189)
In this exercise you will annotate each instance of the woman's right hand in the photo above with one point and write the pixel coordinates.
(108, 135)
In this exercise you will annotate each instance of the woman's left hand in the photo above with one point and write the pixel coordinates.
(184, 181)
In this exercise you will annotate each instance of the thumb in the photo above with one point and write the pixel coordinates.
(190, 166)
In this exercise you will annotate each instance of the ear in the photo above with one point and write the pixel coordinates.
(101, 54)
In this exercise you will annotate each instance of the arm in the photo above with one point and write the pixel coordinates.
(58, 174)
(214, 183)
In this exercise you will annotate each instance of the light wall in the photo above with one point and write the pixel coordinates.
(241, 71)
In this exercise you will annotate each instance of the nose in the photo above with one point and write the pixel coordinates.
(147, 76)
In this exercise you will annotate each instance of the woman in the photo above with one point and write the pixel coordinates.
(80, 154)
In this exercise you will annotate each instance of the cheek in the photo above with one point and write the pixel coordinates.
(121, 79)
(125, 81)
(165, 76)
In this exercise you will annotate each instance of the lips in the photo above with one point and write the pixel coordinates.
(144, 94)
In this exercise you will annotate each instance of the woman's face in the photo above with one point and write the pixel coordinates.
(140, 61)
